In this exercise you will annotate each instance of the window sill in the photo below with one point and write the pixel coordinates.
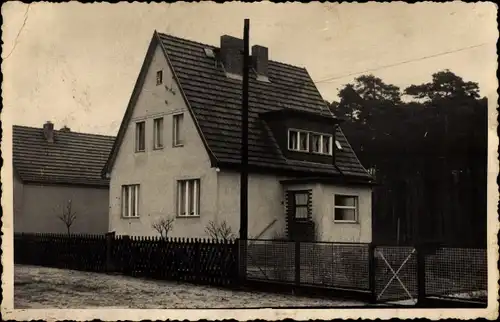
(323, 154)
(187, 217)
(140, 151)
(180, 145)
(135, 217)
(158, 148)
(346, 221)
(301, 151)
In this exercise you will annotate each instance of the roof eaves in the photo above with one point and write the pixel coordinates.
(131, 104)
(213, 158)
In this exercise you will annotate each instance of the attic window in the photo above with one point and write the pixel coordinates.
(321, 143)
(159, 77)
(298, 140)
(209, 52)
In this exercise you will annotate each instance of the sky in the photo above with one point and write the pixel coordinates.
(76, 64)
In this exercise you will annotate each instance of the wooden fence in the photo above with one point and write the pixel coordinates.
(192, 260)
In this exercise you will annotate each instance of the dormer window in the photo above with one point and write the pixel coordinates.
(159, 77)
(321, 143)
(298, 140)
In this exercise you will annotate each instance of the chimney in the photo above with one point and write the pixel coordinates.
(65, 129)
(48, 131)
(231, 53)
(260, 60)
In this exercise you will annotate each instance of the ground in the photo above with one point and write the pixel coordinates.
(42, 287)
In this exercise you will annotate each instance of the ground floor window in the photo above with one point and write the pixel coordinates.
(301, 203)
(346, 208)
(188, 198)
(130, 201)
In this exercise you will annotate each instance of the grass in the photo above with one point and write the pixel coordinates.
(43, 287)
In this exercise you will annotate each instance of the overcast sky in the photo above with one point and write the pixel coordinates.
(76, 64)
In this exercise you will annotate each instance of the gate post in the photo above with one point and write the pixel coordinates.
(297, 263)
(242, 261)
(421, 298)
(372, 273)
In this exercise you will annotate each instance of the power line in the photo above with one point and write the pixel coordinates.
(326, 80)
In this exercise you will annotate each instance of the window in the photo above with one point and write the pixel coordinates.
(298, 141)
(321, 143)
(301, 205)
(346, 208)
(188, 198)
(159, 77)
(140, 136)
(177, 137)
(158, 133)
(130, 201)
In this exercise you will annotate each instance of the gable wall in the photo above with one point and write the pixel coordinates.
(158, 170)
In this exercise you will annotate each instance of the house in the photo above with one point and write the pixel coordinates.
(55, 170)
(177, 152)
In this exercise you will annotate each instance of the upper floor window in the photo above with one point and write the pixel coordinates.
(130, 201)
(177, 135)
(158, 133)
(346, 208)
(159, 77)
(298, 140)
(140, 139)
(321, 143)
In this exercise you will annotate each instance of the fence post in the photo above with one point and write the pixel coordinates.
(297, 263)
(110, 237)
(127, 255)
(421, 297)
(242, 260)
(372, 272)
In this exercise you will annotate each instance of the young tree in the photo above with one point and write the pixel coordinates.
(68, 216)
(219, 230)
(163, 226)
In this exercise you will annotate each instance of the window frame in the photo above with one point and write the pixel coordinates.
(128, 190)
(299, 133)
(156, 122)
(296, 206)
(138, 139)
(176, 130)
(159, 77)
(183, 187)
(355, 208)
(321, 138)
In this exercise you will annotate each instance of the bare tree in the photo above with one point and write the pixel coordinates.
(68, 216)
(219, 230)
(163, 226)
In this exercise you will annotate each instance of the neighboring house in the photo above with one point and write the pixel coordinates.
(52, 168)
(177, 151)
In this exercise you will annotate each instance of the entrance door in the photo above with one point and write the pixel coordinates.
(300, 226)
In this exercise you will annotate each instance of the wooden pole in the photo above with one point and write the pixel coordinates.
(244, 158)
(244, 137)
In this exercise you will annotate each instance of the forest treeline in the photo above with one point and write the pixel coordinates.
(428, 144)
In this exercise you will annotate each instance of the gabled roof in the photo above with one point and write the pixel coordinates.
(73, 158)
(214, 101)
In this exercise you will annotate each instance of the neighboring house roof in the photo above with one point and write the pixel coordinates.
(73, 158)
(214, 101)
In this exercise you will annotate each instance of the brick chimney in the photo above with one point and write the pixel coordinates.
(48, 131)
(260, 58)
(65, 129)
(231, 54)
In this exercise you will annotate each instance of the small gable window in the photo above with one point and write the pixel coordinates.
(140, 139)
(159, 77)
(321, 143)
(177, 135)
(158, 133)
(298, 140)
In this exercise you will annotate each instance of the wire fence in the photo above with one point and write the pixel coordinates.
(386, 273)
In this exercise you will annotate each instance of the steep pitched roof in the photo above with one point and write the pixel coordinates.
(73, 158)
(214, 101)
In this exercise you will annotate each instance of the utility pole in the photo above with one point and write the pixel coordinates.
(244, 158)
(244, 137)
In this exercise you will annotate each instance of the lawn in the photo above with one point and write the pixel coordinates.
(41, 287)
